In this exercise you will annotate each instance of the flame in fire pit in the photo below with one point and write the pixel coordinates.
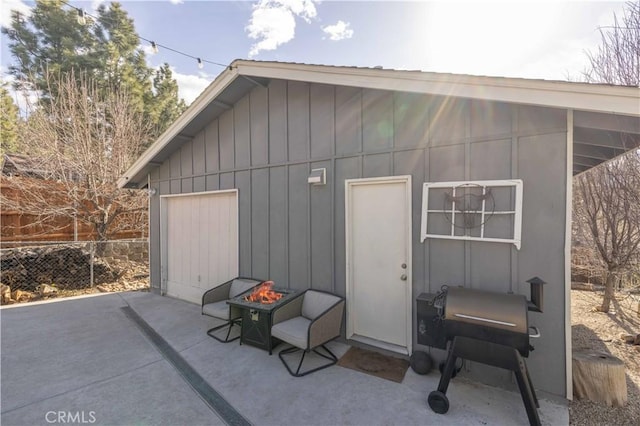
(264, 294)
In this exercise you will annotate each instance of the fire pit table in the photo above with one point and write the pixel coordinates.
(256, 306)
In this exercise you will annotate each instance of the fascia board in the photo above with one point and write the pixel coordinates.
(581, 96)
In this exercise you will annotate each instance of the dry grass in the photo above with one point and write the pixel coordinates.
(601, 332)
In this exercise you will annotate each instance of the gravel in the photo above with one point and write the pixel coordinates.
(601, 332)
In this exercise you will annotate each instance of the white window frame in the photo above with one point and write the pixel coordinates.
(517, 212)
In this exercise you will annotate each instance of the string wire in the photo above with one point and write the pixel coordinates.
(152, 42)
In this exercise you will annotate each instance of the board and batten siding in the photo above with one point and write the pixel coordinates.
(293, 232)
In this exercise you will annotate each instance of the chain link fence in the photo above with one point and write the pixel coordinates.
(35, 271)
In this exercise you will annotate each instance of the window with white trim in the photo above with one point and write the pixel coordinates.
(485, 210)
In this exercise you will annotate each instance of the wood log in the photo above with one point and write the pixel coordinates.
(599, 377)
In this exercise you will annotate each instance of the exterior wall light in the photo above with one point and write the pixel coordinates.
(317, 177)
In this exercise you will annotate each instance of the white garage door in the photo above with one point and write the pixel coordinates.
(200, 242)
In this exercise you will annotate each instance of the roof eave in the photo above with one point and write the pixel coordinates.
(571, 95)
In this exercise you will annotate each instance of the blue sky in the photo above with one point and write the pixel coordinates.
(545, 39)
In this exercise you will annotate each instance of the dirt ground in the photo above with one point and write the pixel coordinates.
(601, 332)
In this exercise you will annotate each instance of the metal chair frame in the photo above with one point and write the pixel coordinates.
(293, 349)
(215, 295)
(292, 309)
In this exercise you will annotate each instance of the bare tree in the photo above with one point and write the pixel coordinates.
(607, 203)
(617, 60)
(607, 198)
(82, 141)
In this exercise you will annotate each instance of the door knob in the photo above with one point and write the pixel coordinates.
(403, 277)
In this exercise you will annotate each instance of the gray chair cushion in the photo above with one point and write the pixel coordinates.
(217, 309)
(294, 331)
(240, 285)
(315, 303)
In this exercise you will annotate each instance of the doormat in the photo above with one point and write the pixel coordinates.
(375, 364)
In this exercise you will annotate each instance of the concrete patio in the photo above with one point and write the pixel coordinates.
(85, 360)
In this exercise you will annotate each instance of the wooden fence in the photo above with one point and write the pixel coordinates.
(16, 226)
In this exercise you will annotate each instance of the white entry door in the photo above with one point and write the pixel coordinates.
(378, 233)
(199, 242)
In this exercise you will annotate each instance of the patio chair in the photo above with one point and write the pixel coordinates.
(214, 304)
(307, 322)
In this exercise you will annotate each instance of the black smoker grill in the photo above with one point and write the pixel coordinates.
(491, 328)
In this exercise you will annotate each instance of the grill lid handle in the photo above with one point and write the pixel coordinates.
(472, 317)
(536, 332)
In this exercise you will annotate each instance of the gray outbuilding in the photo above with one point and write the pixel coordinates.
(379, 185)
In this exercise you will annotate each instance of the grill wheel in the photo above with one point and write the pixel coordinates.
(420, 362)
(438, 402)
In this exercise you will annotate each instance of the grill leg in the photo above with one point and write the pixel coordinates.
(526, 390)
(437, 399)
(533, 391)
(447, 372)
(491, 354)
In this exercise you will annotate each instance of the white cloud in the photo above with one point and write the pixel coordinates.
(338, 31)
(6, 6)
(190, 86)
(304, 9)
(176, 1)
(273, 22)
